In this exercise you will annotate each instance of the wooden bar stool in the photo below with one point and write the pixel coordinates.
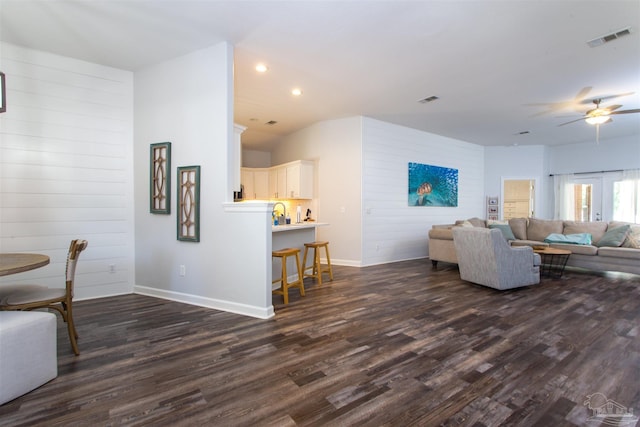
(284, 282)
(316, 267)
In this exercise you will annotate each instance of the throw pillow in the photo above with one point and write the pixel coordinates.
(576, 239)
(614, 237)
(505, 229)
(477, 222)
(538, 229)
(519, 227)
(633, 238)
(595, 228)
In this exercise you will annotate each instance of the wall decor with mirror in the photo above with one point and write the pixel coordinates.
(160, 165)
(189, 203)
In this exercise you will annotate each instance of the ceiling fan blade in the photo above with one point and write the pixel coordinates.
(612, 107)
(637, 110)
(580, 97)
(605, 97)
(572, 104)
(572, 121)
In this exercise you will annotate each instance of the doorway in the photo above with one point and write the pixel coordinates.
(518, 198)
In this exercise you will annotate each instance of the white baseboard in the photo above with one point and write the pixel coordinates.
(232, 307)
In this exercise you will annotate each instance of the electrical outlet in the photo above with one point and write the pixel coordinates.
(183, 271)
(112, 268)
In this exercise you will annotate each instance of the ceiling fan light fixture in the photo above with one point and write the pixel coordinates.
(598, 120)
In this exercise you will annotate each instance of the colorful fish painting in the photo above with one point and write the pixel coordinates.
(432, 185)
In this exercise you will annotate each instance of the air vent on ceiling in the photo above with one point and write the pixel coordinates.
(429, 99)
(271, 122)
(609, 37)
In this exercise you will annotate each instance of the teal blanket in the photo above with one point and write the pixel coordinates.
(576, 239)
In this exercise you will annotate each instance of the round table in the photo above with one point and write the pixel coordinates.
(553, 261)
(19, 262)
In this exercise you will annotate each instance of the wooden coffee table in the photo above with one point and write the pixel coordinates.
(553, 261)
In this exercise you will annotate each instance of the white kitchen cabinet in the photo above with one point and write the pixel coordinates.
(261, 183)
(299, 180)
(278, 182)
(255, 182)
(292, 180)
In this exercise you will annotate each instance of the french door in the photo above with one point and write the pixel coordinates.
(588, 200)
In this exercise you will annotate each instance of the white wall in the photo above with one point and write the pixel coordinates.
(613, 154)
(391, 229)
(256, 159)
(540, 161)
(189, 102)
(519, 162)
(363, 180)
(67, 168)
(335, 146)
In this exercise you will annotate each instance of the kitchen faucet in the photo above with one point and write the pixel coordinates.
(284, 210)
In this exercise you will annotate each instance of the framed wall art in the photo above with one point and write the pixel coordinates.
(160, 166)
(432, 185)
(189, 203)
(492, 208)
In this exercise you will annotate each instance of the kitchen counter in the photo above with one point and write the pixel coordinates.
(302, 225)
(292, 236)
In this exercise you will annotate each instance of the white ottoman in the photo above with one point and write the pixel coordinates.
(28, 352)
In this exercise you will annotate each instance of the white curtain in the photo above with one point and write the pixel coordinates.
(563, 197)
(627, 197)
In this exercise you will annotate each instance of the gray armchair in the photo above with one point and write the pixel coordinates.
(485, 258)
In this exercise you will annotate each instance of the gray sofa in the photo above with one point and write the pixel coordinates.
(624, 257)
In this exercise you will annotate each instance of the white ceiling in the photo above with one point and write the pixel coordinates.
(498, 67)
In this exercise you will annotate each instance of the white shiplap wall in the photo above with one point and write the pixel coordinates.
(66, 151)
(391, 229)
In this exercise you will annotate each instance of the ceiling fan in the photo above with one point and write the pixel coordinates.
(575, 104)
(601, 115)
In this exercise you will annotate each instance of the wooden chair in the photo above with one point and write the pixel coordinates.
(316, 268)
(283, 254)
(29, 297)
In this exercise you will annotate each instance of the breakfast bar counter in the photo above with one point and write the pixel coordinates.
(300, 226)
(292, 236)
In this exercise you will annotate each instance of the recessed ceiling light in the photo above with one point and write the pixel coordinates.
(296, 92)
(261, 68)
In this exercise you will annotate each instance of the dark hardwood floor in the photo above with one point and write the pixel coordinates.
(398, 344)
